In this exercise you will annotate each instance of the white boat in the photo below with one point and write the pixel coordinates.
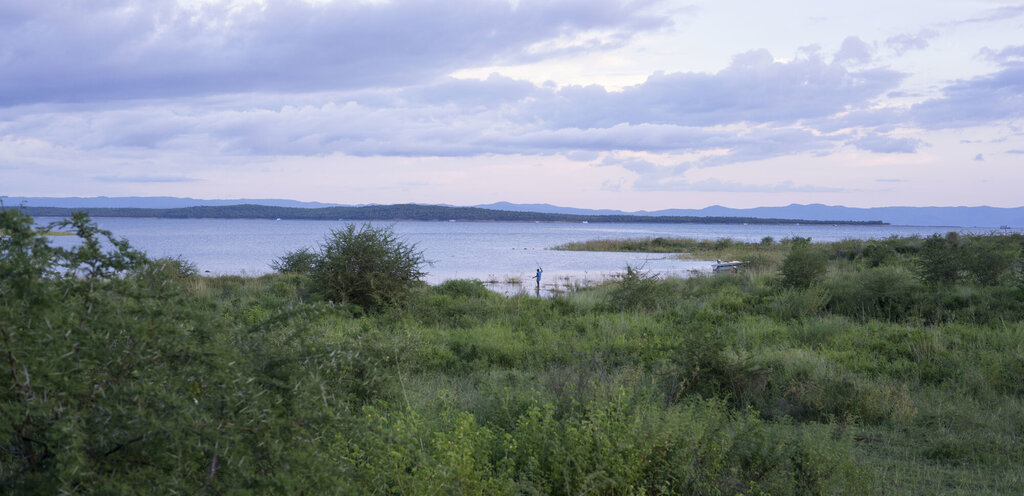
(720, 266)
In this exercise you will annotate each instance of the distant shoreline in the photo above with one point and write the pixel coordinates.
(410, 212)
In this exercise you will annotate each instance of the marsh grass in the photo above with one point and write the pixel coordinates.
(46, 232)
(688, 248)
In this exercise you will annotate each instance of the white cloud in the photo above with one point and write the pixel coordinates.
(118, 49)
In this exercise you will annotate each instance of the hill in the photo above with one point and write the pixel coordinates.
(404, 212)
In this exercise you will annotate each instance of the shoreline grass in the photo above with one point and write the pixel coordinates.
(45, 233)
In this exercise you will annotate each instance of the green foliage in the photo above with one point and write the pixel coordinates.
(368, 266)
(989, 258)
(887, 292)
(174, 267)
(942, 259)
(301, 261)
(119, 380)
(636, 289)
(123, 375)
(876, 254)
(804, 265)
(464, 288)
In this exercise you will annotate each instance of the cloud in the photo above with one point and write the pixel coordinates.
(977, 101)
(117, 49)
(718, 186)
(748, 111)
(996, 15)
(145, 179)
(979, 158)
(854, 50)
(1010, 55)
(1015, 152)
(903, 43)
(753, 88)
(879, 143)
(657, 177)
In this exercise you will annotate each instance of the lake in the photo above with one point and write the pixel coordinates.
(507, 253)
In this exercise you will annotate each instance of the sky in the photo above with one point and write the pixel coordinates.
(631, 105)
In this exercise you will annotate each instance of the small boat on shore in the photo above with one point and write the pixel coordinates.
(720, 266)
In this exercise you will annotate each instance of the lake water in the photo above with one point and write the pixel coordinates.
(507, 253)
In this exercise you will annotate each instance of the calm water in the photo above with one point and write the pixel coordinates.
(489, 251)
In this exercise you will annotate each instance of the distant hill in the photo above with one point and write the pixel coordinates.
(149, 202)
(399, 212)
(906, 216)
(913, 216)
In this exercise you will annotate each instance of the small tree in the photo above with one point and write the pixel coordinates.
(296, 262)
(941, 259)
(804, 264)
(989, 258)
(368, 266)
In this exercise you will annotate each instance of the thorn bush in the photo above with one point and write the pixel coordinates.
(365, 265)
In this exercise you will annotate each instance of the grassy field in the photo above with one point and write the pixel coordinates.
(884, 367)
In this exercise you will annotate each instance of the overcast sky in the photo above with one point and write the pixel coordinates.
(634, 105)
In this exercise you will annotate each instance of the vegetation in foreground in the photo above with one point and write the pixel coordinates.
(866, 367)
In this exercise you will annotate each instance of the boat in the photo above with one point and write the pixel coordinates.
(720, 266)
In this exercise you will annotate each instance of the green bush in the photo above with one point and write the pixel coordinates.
(174, 267)
(886, 292)
(989, 258)
(876, 254)
(804, 265)
(465, 288)
(121, 381)
(368, 266)
(941, 259)
(637, 289)
(301, 261)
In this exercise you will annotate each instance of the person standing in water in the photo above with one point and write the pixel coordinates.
(537, 277)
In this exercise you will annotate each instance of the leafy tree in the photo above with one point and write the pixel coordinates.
(941, 259)
(804, 265)
(637, 289)
(296, 262)
(990, 257)
(366, 265)
(116, 379)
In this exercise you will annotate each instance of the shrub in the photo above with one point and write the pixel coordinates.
(804, 265)
(989, 257)
(886, 292)
(368, 266)
(465, 288)
(174, 267)
(941, 259)
(876, 254)
(637, 289)
(121, 382)
(296, 262)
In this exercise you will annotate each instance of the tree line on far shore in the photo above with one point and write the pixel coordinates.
(405, 212)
